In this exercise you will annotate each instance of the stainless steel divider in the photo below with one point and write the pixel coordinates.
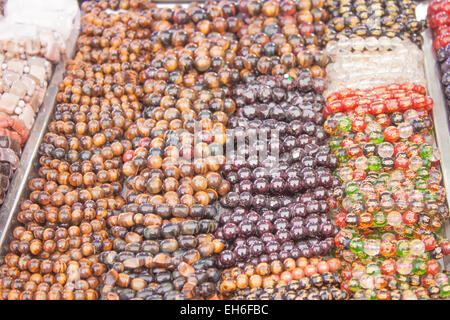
(29, 162)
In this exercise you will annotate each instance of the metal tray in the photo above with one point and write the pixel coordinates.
(29, 162)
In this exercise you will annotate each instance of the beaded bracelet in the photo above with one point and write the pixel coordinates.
(266, 275)
(386, 246)
(323, 286)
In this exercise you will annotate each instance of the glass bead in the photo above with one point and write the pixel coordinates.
(409, 295)
(342, 155)
(353, 284)
(423, 173)
(419, 267)
(360, 295)
(417, 247)
(379, 219)
(409, 218)
(372, 247)
(394, 218)
(372, 205)
(403, 248)
(347, 203)
(380, 282)
(410, 115)
(376, 137)
(397, 175)
(441, 278)
(372, 126)
(426, 151)
(360, 138)
(361, 163)
(335, 142)
(385, 150)
(383, 119)
(388, 205)
(330, 126)
(351, 187)
(367, 282)
(409, 230)
(445, 290)
(404, 266)
(357, 197)
(420, 184)
(435, 175)
(354, 151)
(436, 156)
(365, 220)
(344, 124)
(415, 163)
(384, 177)
(369, 149)
(374, 163)
(373, 268)
(345, 174)
(356, 245)
(416, 195)
(380, 186)
(370, 294)
(391, 134)
(426, 163)
(358, 124)
(388, 236)
(358, 270)
(417, 206)
(387, 248)
(405, 130)
(389, 267)
(366, 187)
(394, 186)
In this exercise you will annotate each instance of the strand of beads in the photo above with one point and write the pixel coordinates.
(162, 253)
(396, 280)
(392, 19)
(292, 279)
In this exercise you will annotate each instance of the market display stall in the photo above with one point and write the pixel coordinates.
(294, 149)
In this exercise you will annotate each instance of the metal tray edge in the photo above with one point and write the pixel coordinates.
(29, 161)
